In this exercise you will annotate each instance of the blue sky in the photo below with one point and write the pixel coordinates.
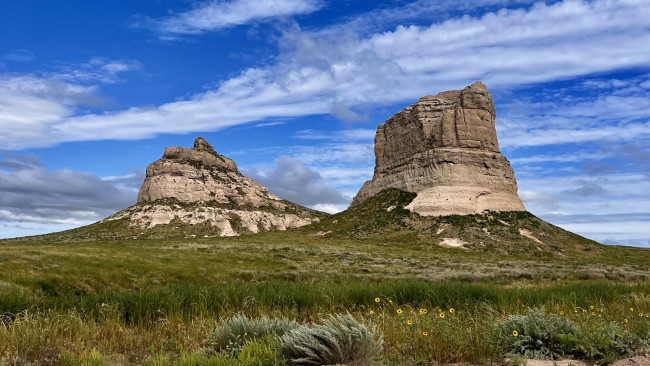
(293, 90)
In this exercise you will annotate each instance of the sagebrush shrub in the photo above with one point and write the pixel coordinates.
(341, 339)
(611, 341)
(538, 335)
(232, 335)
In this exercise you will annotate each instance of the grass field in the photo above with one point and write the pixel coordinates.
(76, 299)
(157, 301)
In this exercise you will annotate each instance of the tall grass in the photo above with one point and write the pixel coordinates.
(188, 300)
(176, 320)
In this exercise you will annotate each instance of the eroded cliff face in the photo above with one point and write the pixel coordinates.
(199, 186)
(445, 149)
(200, 174)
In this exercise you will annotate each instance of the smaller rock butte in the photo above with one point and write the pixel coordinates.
(445, 149)
(196, 186)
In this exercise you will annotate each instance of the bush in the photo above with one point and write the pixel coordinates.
(261, 352)
(340, 339)
(611, 341)
(538, 335)
(231, 336)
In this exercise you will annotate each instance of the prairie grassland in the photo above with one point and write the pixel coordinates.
(157, 301)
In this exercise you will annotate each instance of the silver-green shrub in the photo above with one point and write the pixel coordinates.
(341, 339)
(538, 335)
(233, 334)
(611, 341)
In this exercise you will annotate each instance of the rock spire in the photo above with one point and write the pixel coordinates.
(445, 149)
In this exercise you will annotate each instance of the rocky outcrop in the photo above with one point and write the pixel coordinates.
(445, 149)
(201, 175)
(199, 186)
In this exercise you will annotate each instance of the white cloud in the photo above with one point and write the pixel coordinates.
(30, 193)
(623, 233)
(608, 208)
(559, 158)
(343, 162)
(318, 73)
(329, 208)
(12, 229)
(290, 179)
(30, 107)
(576, 114)
(354, 134)
(97, 69)
(548, 136)
(214, 15)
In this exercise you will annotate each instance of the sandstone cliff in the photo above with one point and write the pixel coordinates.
(200, 187)
(445, 149)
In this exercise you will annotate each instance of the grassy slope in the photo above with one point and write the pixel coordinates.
(366, 241)
(120, 229)
(383, 216)
(139, 286)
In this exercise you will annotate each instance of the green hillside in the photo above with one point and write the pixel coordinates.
(98, 296)
(383, 217)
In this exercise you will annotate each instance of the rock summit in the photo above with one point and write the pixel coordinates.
(444, 148)
(198, 186)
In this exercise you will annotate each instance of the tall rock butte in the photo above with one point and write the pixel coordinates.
(199, 186)
(445, 149)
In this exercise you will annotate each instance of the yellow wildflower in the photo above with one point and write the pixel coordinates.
(409, 322)
(377, 299)
(442, 315)
(425, 334)
(631, 310)
(371, 312)
(515, 333)
(451, 310)
(423, 311)
(626, 320)
(640, 314)
(399, 311)
(593, 313)
(591, 307)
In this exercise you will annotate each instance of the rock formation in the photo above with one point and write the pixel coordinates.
(445, 149)
(199, 186)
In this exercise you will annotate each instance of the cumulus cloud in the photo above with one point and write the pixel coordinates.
(343, 159)
(292, 180)
(214, 15)
(30, 193)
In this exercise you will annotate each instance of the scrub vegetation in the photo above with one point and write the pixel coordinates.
(367, 286)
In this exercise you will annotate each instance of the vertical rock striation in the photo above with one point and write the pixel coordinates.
(445, 149)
